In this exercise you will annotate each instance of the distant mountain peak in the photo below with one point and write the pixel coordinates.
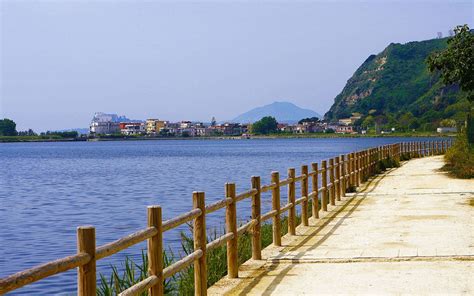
(283, 111)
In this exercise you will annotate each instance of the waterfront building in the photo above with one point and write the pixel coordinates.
(442, 130)
(344, 129)
(104, 124)
(153, 126)
(132, 128)
(104, 128)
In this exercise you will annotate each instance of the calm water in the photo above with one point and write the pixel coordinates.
(48, 189)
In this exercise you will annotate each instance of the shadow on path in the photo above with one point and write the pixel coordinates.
(363, 194)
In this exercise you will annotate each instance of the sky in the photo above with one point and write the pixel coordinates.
(62, 61)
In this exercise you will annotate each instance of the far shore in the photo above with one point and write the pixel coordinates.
(32, 139)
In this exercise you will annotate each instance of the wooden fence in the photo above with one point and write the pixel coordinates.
(344, 171)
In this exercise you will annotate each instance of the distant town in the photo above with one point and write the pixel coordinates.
(112, 124)
(104, 124)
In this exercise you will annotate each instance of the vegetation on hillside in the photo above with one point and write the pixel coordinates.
(394, 89)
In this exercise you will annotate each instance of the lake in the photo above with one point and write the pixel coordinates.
(48, 189)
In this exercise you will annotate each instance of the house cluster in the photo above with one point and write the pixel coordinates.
(316, 127)
(343, 126)
(109, 124)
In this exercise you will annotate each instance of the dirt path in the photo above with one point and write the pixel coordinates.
(410, 230)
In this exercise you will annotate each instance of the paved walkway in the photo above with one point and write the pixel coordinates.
(410, 230)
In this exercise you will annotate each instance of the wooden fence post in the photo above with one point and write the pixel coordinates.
(231, 227)
(276, 207)
(324, 180)
(337, 167)
(343, 177)
(155, 250)
(358, 180)
(86, 274)
(291, 199)
(315, 203)
(200, 241)
(349, 170)
(332, 198)
(304, 192)
(256, 213)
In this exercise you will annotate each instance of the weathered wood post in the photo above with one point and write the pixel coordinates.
(324, 180)
(343, 173)
(86, 274)
(315, 204)
(362, 168)
(304, 192)
(256, 214)
(431, 148)
(276, 207)
(332, 198)
(351, 169)
(231, 227)
(155, 250)
(291, 200)
(337, 168)
(199, 231)
(358, 179)
(369, 162)
(366, 163)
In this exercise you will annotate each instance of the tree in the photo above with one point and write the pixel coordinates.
(456, 66)
(406, 120)
(7, 127)
(309, 119)
(265, 125)
(368, 122)
(456, 63)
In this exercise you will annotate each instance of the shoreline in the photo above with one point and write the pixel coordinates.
(259, 137)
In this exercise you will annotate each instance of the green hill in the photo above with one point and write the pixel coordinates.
(394, 88)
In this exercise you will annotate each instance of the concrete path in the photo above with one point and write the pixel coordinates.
(409, 231)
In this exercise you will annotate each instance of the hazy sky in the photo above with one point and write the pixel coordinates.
(61, 61)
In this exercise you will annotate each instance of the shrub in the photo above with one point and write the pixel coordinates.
(460, 158)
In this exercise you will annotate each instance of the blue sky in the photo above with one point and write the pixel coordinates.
(61, 61)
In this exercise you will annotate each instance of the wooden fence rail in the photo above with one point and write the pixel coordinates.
(345, 172)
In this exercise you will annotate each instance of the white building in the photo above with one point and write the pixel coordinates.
(442, 130)
(132, 128)
(104, 124)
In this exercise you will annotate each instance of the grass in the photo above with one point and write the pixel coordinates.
(183, 282)
(460, 158)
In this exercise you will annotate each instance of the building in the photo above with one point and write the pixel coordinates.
(186, 124)
(229, 129)
(344, 129)
(172, 128)
(104, 128)
(153, 126)
(443, 130)
(104, 124)
(132, 128)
